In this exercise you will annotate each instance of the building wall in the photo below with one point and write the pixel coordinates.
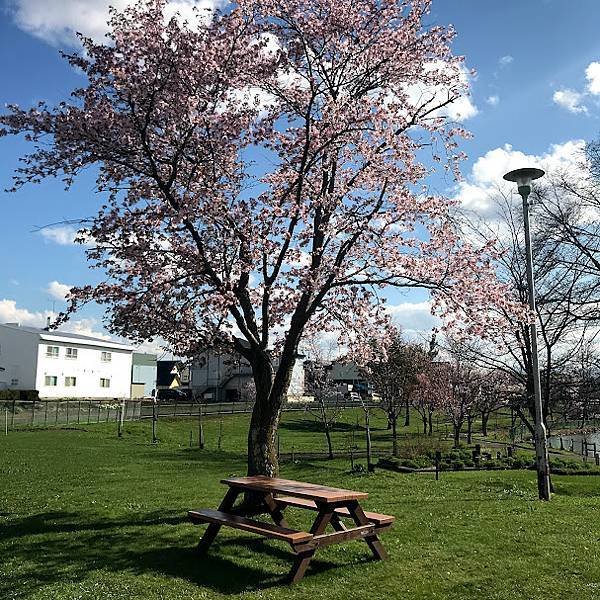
(222, 373)
(18, 358)
(143, 372)
(218, 371)
(87, 368)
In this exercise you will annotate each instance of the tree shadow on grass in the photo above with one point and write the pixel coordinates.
(64, 547)
(310, 425)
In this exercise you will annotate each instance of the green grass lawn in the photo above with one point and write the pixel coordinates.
(84, 515)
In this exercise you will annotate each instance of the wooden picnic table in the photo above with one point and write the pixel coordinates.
(331, 504)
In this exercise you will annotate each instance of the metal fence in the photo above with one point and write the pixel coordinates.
(19, 414)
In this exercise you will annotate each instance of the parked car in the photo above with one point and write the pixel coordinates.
(173, 395)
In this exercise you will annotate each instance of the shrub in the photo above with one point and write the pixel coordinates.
(16, 395)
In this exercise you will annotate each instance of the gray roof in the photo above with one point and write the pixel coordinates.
(65, 334)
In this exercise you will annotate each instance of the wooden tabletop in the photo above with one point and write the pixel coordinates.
(300, 489)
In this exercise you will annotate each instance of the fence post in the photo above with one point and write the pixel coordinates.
(438, 461)
(121, 417)
(12, 418)
(78, 411)
(56, 414)
(220, 439)
(45, 413)
(67, 421)
(33, 412)
(6, 420)
(597, 459)
(200, 428)
(89, 411)
(154, 419)
(562, 444)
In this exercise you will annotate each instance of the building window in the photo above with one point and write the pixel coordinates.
(14, 381)
(52, 351)
(71, 353)
(104, 383)
(70, 381)
(106, 356)
(51, 380)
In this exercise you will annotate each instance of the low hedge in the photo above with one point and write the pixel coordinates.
(18, 395)
(462, 459)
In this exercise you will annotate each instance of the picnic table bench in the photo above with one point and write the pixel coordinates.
(331, 504)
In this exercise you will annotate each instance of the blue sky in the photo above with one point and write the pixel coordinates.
(535, 96)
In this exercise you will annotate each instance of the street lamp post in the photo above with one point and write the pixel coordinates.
(523, 179)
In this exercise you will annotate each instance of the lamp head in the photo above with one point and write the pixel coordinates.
(524, 177)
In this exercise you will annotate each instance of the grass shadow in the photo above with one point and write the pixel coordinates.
(314, 426)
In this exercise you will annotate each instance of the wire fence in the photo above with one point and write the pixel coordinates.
(24, 414)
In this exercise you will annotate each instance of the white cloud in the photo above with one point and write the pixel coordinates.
(592, 74)
(570, 99)
(493, 100)
(505, 60)
(63, 235)
(57, 290)
(57, 21)
(459, 110)
(11, 313)
(414, 318)
(476, 192)
(86, 327)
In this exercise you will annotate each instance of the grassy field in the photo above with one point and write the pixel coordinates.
(84, 515)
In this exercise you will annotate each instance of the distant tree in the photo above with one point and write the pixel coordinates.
(394, 376)
(567, 296)
(328, 404)
(493, 394)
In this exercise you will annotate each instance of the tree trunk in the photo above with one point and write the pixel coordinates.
(394, 436)
(424, 417)
(457, 429)
(270, 396)
(329, 445)
(407, 413)
(469, 429)
(262, 446)
(484, 422)
(430, 423)
(370, 466)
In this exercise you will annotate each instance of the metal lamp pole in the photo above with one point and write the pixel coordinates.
(523, 178)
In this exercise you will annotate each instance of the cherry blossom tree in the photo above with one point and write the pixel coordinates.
(430, 392)
(263, 176)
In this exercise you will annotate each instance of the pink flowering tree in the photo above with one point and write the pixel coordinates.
(429, 393)
(262, 178)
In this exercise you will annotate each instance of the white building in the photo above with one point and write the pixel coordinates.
(225, 378)
(63, 365)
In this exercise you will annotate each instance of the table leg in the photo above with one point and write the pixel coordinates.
(337, 523)
(211, 531)
(359, 517)
(304, 557)
(274, 510)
